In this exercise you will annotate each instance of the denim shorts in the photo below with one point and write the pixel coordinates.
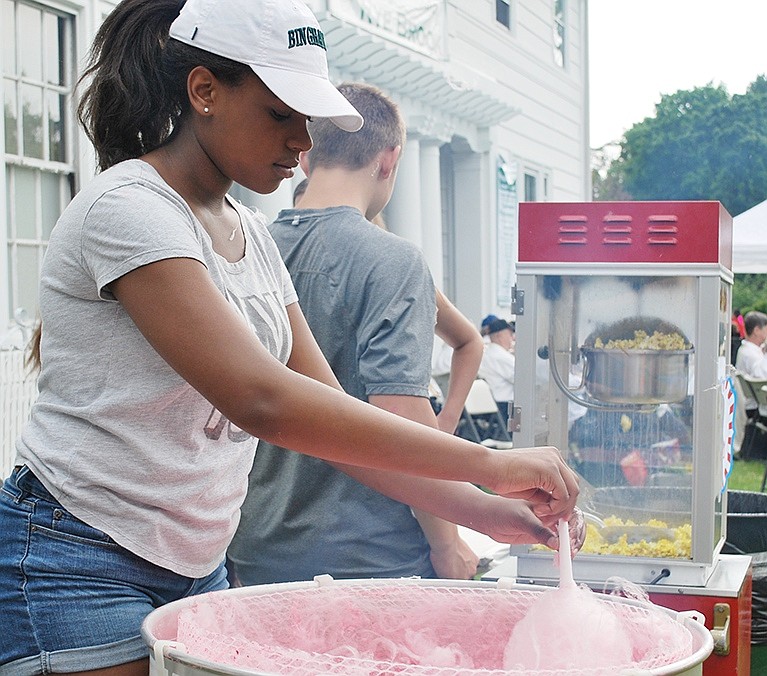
(71, 598)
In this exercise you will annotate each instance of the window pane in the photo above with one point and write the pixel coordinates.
(32, 121)
(56, 140)
(28, 276)
(32, 44)
(503, 12)
(9, 37)
(530, 188)
(51, 201)
(25, 201)
(10, 108)
(54, 63)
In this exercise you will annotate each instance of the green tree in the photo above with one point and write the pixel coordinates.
(749, 292)
(702, 144)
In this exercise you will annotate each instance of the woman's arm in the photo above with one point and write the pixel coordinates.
(187, 320)
(460, 334)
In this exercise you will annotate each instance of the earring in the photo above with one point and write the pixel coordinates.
(206, 109)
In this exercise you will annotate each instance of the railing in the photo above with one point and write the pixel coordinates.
(18, 389)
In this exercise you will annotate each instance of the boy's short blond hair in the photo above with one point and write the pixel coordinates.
(383, 128)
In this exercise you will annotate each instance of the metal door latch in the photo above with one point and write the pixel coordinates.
(517, 301)
(721, 630)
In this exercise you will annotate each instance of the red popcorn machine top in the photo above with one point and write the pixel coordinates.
(623, 331)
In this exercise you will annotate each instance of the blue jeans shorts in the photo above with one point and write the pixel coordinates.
(71, 598)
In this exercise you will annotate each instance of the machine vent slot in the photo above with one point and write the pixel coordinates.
(664, 218)
(662, 240)
(571, 225)
(616, 240)
(662, 229)
(617, 218)
(617, 228)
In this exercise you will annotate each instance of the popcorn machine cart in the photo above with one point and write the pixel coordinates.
(623, 335)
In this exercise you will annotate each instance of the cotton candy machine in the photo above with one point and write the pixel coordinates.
(405, 627)
(622, 326)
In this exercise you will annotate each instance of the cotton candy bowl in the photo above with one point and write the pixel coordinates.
(382, 627)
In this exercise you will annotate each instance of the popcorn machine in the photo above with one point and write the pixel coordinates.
(623, 334)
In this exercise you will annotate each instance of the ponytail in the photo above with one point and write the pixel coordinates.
(136, 96)
(32, 360)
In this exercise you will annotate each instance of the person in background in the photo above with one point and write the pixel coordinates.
(752, 359)
(369, 299)
(484, 327)
(752, 362)
(498, 360)
(172, 340)
(738, 334)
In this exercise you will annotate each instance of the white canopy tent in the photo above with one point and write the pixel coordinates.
(749, 240)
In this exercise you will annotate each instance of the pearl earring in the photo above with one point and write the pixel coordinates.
(206, 109)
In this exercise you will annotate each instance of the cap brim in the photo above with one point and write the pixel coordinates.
(311, 95)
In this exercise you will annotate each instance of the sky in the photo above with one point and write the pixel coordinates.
(641, 50)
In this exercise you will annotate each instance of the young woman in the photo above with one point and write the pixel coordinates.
(171, 340)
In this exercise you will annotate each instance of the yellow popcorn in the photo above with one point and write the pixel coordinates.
(642, 341)
(679, 548)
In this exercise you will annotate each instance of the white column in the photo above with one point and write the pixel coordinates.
(403, 213)
(473, 260)
(431, 209)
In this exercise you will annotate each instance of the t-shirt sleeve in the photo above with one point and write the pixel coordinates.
(395, 336)
(132, 226)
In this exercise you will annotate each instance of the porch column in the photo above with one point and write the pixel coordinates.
(403, 213)
(431, 210)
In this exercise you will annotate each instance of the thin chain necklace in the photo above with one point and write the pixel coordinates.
(234, 232)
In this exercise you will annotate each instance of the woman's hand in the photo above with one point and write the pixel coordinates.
(515, 522)
(538, 475)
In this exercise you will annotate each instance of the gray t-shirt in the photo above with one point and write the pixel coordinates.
(369, 299)
(117, 436)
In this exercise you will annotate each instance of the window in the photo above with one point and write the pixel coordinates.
(503, 12)
(531, 188)
(536, 184)
(559, 32)
(37, 79)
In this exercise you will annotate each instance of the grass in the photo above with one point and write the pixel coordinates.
(747, 475)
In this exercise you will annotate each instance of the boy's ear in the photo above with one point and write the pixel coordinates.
(389, 158)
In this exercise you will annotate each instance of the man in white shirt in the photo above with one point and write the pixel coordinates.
(751, 361)
(497, 366)
(751, 358)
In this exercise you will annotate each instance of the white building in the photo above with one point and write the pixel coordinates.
(495, 95)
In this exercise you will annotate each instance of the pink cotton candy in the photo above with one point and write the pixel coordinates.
(568, 628)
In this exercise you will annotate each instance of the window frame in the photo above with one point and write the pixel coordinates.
(50, 196)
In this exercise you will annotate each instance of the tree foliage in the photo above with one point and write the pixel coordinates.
(702, 144)
(749, 292)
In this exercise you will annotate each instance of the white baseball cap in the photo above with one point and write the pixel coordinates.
(280, 40)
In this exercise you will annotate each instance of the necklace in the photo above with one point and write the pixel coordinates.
(234, 232)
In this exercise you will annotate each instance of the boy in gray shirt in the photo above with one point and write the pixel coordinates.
(369, 299)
